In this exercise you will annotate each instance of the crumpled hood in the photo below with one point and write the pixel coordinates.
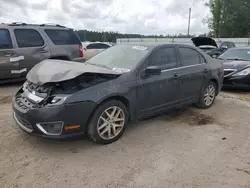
(59, 70)
(239, 65)
(204, 41)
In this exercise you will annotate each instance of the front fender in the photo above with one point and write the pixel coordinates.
(99, 93)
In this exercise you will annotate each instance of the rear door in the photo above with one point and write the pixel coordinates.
(66, 43)
(159, 92)
(8, 58)
(193, 73)
(32, 47)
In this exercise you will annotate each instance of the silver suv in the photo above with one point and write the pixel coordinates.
(24, 45)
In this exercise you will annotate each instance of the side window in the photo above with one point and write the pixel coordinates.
(104, 46)
(5, 40)
(165, 58)
(28, 38)
(97, 46)
(189, 56)
(62, 37)
(92, 46)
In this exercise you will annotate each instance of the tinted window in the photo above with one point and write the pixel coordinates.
(189, 56)
(166, 58)
(28, 38)
(97, 46)
(62, 37)
(5, 41)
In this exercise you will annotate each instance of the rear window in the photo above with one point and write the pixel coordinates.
(97, 46)
(5, 40)
(28, 38)
(62, 37)
(189, 56)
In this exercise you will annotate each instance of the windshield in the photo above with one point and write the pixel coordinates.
(236, 54)
(119, 57)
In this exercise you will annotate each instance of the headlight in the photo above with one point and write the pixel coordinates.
(57, 100)
(243, 72)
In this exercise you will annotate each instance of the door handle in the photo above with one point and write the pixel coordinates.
(175, 75)
(43, 51)
(205, 71)
(8, 54)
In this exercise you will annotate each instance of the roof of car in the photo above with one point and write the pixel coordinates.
(25, 25)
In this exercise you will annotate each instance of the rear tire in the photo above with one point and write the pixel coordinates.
(207, 96)
(108, 122)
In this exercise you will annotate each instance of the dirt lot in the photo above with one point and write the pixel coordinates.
(199, 148)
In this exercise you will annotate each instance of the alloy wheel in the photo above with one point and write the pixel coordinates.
(111, 123)
(209, 95)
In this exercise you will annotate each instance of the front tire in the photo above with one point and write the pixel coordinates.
(108, 122)
(207, 96)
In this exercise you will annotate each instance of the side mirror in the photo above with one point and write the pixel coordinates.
(152, 70)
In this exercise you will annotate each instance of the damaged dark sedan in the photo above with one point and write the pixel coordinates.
(236, 67)
(124, 83)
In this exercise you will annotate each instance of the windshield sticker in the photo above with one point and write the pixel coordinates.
(121, 70)
(139, 47)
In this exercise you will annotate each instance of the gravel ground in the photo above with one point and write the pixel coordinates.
(197, 148)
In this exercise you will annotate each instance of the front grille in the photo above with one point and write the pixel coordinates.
(23, 122)
(228, 72)
(24, 103)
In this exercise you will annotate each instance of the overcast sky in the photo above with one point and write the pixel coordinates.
(126, 16)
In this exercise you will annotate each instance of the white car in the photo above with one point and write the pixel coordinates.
(94, 48)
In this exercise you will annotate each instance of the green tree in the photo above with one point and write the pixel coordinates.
(230, 18)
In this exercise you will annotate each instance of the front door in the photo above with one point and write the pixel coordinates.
(31, 47)
(8, 63)
(193, 73)
(158, 92)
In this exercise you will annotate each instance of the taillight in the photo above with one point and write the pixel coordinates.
(80, 50)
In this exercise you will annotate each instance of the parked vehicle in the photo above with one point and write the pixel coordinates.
(236, 67)
(94, 48)
(210, 46)
(122, 84)
(206, 44)
(224, 46)
(24, 45)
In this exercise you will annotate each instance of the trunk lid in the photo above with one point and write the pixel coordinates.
(204, 41)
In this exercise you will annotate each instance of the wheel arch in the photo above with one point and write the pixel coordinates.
(216, 82)
(120, 98)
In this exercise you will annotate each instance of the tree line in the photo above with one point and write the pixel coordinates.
(92, 36)
(229, 18)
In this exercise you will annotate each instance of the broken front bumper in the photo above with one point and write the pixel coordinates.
(52, 122)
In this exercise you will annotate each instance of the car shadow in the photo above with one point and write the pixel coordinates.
(73, 145)
(79, 144)
(236, 90)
